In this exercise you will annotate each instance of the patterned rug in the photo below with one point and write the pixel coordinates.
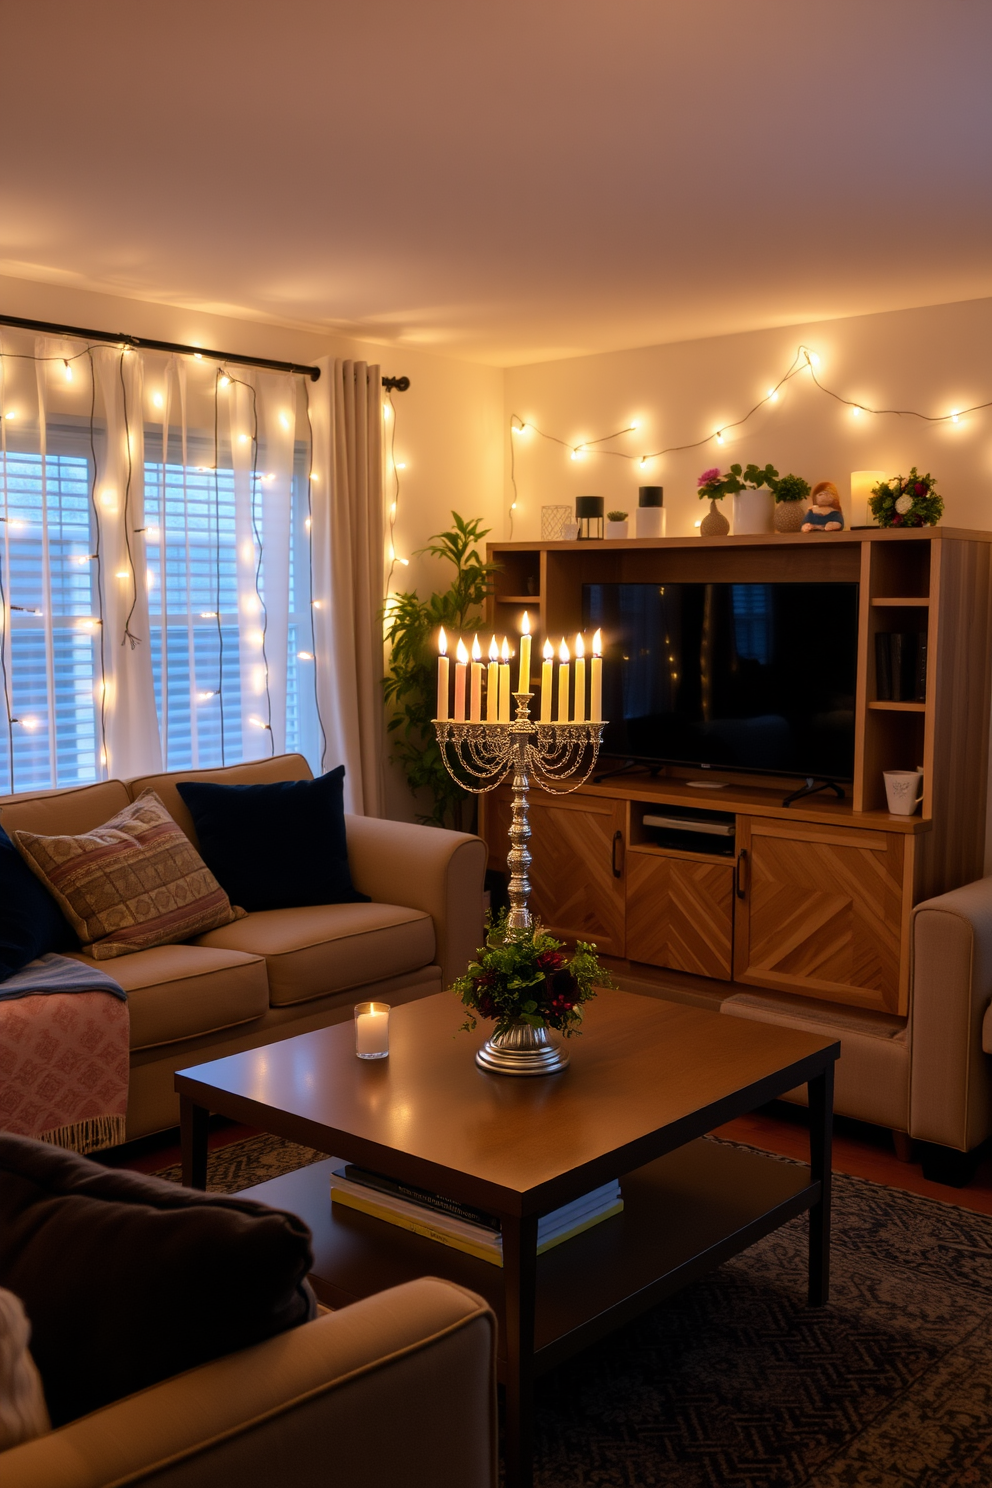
(735, 1383)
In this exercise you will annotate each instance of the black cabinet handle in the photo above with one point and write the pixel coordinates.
(740, 874)
(617, 843)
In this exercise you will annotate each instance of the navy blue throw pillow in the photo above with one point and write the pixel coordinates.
(31, 923)
(275, 846)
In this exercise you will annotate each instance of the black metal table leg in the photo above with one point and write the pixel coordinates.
(520, 1292)
(193, 1122)
(821, 1122)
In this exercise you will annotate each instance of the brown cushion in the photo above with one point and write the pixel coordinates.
(180, 991)
(330, 947)
(51, 812)
(135, 881)
(255, 772)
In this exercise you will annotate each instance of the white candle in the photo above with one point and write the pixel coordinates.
(596, 680)
(461, 667)
(524, 682)
(371, 1030)
(563, 680)
(504, 682)
(579, 711)
(475, 706)
(492, 683)
(442, 677)
(547, 681)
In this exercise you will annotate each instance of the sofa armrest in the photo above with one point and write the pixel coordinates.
(427, 868)
(950, 1097)
(398, 1388)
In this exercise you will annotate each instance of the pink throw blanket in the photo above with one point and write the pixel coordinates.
(64, 1068)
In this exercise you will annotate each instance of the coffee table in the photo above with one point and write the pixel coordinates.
(647, 1080)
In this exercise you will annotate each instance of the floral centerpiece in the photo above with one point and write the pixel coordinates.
(907, 502)
(526, 976)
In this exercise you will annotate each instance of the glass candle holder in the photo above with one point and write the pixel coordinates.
(372, 1030)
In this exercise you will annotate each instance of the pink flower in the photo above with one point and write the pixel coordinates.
(709, 475)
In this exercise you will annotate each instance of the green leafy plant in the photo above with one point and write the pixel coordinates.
(527, 976)
(791, 488)
(616, 516)
(755, 476)
(410, 684)
(910, 501)
(713, 484)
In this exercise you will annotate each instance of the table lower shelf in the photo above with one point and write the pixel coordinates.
(684, 1214)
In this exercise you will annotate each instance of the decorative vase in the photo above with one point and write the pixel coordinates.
(522, 1050)
(715, 523)
(753, 511)
(789, 515)
(616, 529)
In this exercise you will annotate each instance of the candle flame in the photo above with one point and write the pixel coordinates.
(580, 646)
(461, 652)
(563, 650)
(597, 643)
(549, 651)
(442, 642)
(493, 650)
(525, 624)
(476, 650)
(504, 650)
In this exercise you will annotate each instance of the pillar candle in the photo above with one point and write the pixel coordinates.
(523, 684)
(563, 681)
(372, 1030)
(461, 667)
(475, 704)
(579, 710)
(504, 682)
(442, 677)
(547, 681)
(492, 683)
(596, 680)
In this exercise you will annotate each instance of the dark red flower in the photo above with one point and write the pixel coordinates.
(485, 1005)
(550, 961)
(920, 488)
(562, 984)
(897, 520)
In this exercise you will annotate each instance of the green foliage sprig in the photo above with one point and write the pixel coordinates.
(907, 502)
(410, 684)
(526, 976)
(791, 488)
(714, 485)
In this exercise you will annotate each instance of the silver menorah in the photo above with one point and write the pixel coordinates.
(545, 754)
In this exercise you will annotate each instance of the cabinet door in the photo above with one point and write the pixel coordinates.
(820, 912)
(577, 873)
(680, 914)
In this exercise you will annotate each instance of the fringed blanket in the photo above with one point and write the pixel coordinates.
(64, 1054)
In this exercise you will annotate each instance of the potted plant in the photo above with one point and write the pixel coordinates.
(616, 524)
(907, 502)
(791, 493)
(712, 486)
(753, 501)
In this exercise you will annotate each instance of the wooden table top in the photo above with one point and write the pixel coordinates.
(429, 1115)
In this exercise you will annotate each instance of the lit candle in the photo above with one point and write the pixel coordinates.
(563, 679)
(442, 676)
(596, 680)
(504, 682)
(524, 682)
(547, 681)
(579, 711)
(461, 666)
(475, 705)
(492, 683)
(372, 1030)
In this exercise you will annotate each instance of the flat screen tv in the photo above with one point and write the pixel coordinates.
(734, 676)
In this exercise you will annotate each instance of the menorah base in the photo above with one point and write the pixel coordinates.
(522, 1050)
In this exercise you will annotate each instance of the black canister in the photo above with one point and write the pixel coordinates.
(589, 515)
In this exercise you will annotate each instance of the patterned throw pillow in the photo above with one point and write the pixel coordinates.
(135, 882)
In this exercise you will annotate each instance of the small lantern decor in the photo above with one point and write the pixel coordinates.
(650, 511)
(589, 515)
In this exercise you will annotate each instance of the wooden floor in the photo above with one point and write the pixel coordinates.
(861, 1150)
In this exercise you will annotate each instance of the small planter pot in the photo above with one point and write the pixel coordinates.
(789, 515)
(714, 524)
(616, 529)
(753, 512)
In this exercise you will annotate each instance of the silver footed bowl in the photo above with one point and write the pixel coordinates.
(522, 1050)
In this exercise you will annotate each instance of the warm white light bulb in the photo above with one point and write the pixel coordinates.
(719, 437)
(305, 655)
(158, 400)
(955, 416)
(68, 372)
(772, 395)
(855, 411)
(224, 381)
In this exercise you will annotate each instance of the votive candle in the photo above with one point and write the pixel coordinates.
(563, 682)
(596, 680)
(547, 681)
(461, 668)
(372, 1030)
(579, 708)
(475, 704)
(442, 677)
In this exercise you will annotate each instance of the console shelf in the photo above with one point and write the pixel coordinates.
(886, 707)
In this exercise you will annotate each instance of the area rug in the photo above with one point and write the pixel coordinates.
(735, 1383)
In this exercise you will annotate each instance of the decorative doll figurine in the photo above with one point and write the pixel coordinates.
(825, 514)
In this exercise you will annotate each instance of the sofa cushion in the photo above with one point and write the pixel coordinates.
(133, 882)
(127, 1280)
(77, 810)
(330, 947)
(31, 923)
(278, 845)
(178, 992)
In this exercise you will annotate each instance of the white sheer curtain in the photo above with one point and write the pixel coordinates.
(348, 541)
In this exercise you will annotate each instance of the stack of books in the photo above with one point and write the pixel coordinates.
(459, 1225)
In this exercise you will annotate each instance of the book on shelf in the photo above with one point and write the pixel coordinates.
(374, 1195)
(900, 666)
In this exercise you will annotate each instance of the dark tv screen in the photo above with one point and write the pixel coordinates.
(739, 676)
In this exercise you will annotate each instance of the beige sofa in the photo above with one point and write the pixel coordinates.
(279, 972)
(399, 1389)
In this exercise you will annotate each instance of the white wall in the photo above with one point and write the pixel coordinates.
(933, 360)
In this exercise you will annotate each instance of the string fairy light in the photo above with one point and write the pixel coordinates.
(314, 604)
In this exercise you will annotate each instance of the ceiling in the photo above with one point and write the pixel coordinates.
(505, 181)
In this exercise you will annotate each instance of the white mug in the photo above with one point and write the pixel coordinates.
(903, 790)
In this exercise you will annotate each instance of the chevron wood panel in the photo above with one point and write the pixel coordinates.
(574, 891)
(680, 914)
(822, 916)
